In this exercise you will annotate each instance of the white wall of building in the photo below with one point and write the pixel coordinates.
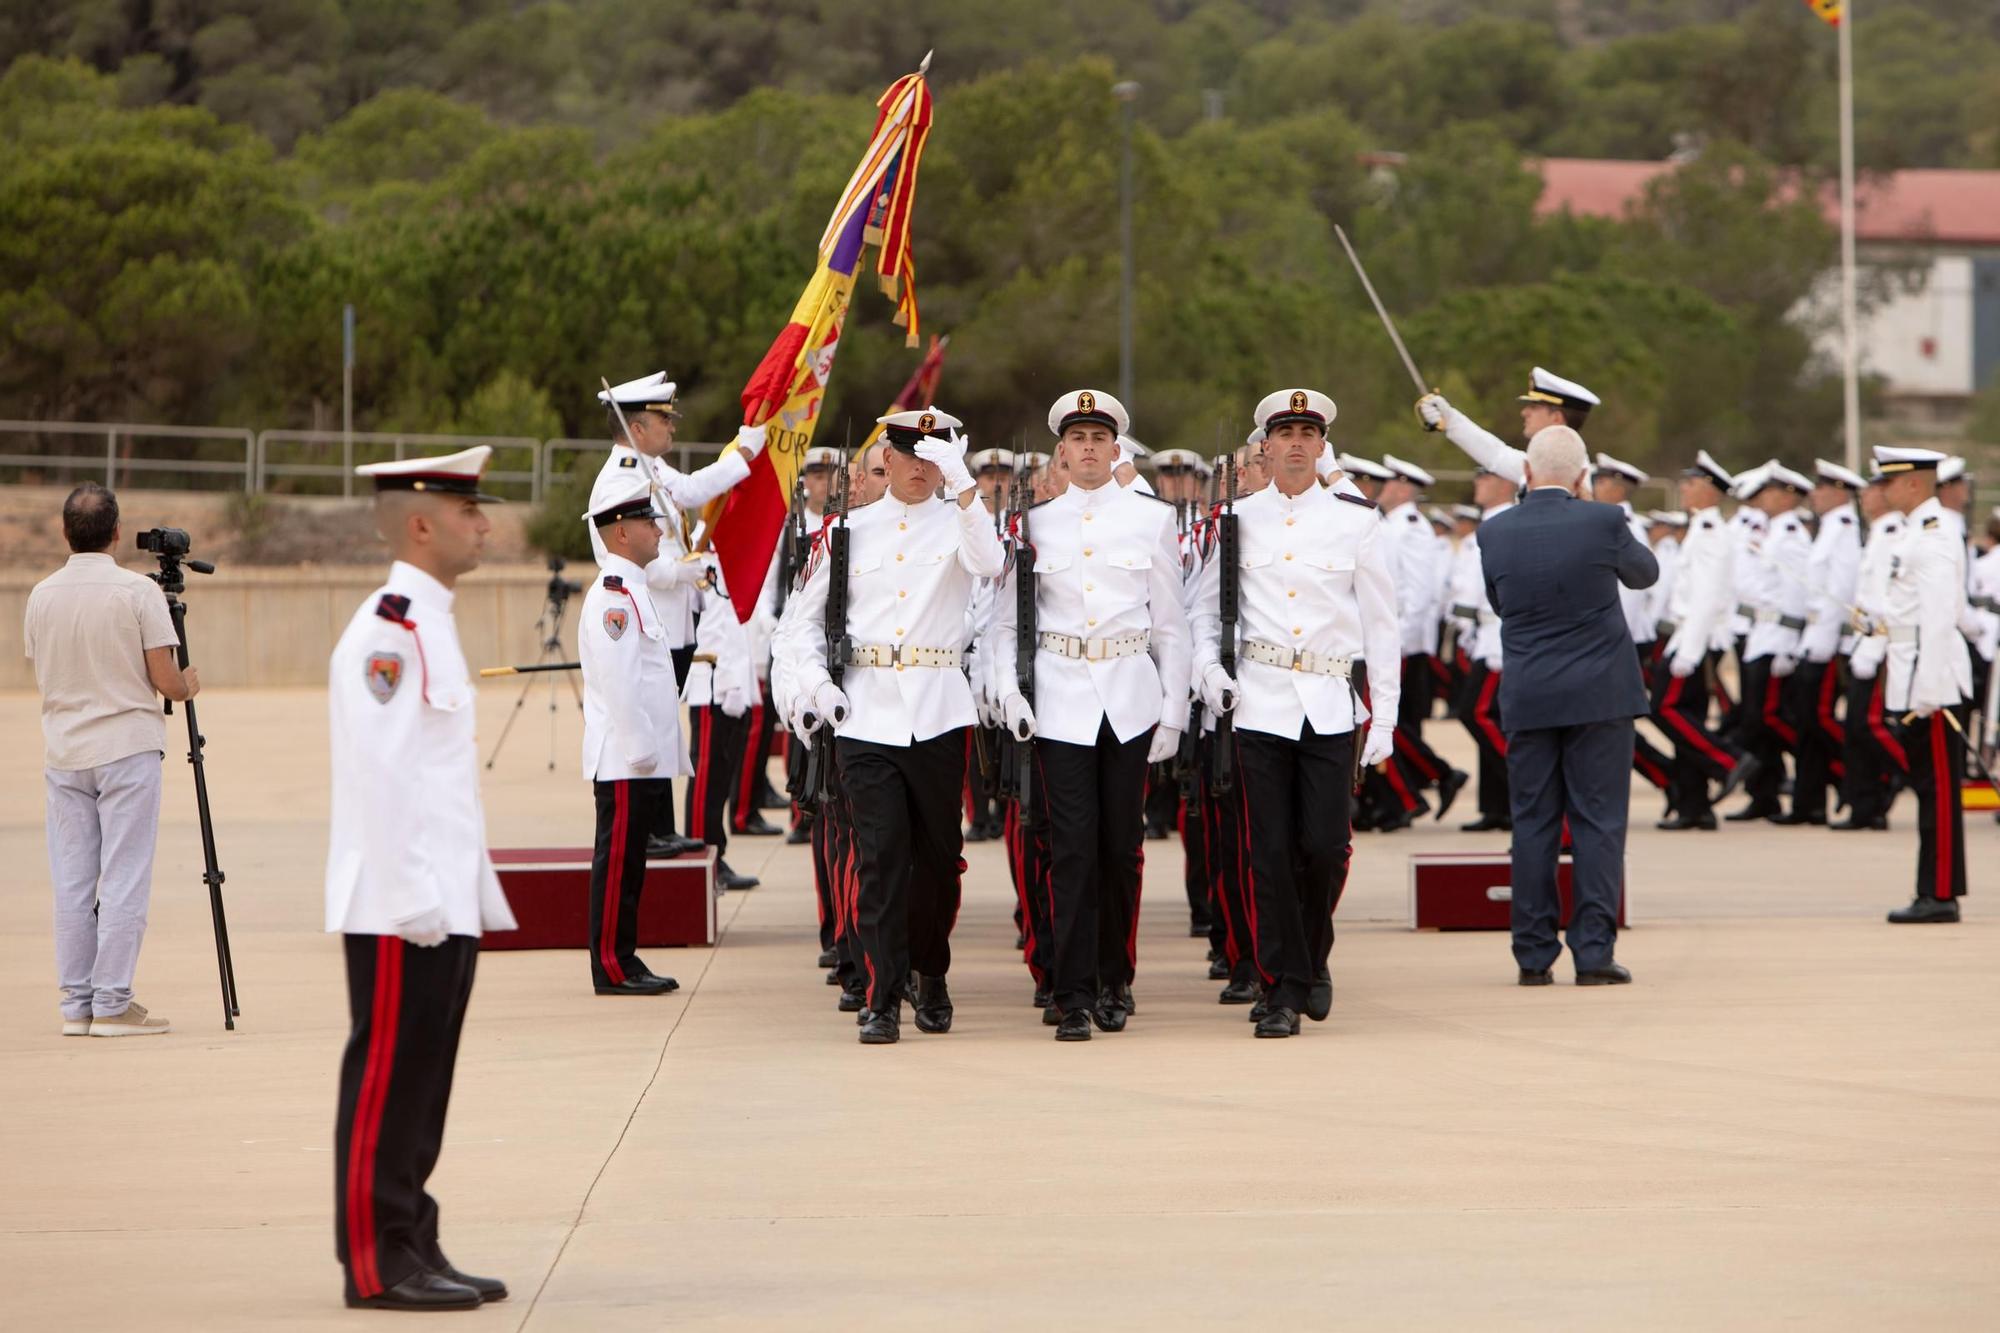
(1919, 341)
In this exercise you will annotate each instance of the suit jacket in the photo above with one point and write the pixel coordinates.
(1553, 567)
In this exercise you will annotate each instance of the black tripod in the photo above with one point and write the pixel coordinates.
(169, 546)
(549, 626)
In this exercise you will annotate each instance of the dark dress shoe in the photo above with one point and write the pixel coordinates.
(1278, 1023)
(490, 1289)
(1051, 1016)
(1238, 992)
(1156, 832)
(421, 1290)
(1123, 994)
(1487, 824)
(1218, 969)
(1020, 940)
(646, 985)
(1793, 818)
(884, 1027)
(833, 976)
(1362, 819)
(664, 983)
(977, 833)
(1449, 787)
(666, 849)
(1107, 1013)
(1751, 813)
(1044, 997)
(850, 1002)
(1678, 822)
(1260, 1006)
(1611, 974)
(1545, 977)
(729, 879)
(828, 958)
(1198, 929)
(757, 827)
(933, 1005)
(1319, 998)
(798, 837)
(1748, 767)
(1922, 911)
(1400, 820)
(1878, 824)
(1073, 1026)
(772, 799)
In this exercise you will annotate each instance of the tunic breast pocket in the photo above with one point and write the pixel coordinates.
(857, 569)
(1051, 564)
(1334, 573)
(1129, 569)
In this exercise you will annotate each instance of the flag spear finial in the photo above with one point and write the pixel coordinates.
(924, 65)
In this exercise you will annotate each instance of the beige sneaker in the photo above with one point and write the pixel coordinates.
(134, 1022)
(77, 1027)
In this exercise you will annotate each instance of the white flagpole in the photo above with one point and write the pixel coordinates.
(1850, 338)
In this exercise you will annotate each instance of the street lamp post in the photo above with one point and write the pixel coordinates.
(1128, 94)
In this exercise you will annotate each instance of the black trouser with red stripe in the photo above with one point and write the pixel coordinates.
(753, 769)
(903, 800)
(1763, 732)
(1194, 858)
(1937, 760)
(833, 849)
(1479, 710)
(1809, 697)
(405, 1008)
(1028, 859)
(1222, 817)
(718, 760)
(1649, 761)
(1095, 796)
(626, 809)
(1421, 766)
(1873, 754)
(1297, 842)
(1680, 705)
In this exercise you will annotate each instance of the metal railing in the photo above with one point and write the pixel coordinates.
(278, 453)
(687, 457)
(114, 460)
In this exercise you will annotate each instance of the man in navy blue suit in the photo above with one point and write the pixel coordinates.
(1553, 566)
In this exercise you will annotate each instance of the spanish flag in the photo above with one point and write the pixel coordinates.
(1828, 10)
(920, 390)
(786, 389)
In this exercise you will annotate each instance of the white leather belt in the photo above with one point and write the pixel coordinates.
(899, 656)
(1902, 634)
(1297, 659)
(1096, 650)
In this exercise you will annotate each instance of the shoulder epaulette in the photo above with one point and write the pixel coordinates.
(1039, 503)
(630, 460)
(1930, 522)
(1845, 517)
(394, 608)
(1413, 517)
(613, 583)
(1151, 495)
(1361, 500)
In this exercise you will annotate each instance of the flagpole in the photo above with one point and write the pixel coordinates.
(1850, 339)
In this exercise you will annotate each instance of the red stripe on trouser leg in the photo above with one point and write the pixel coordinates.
(1883, 736)
(1774, 718)
(614, 885)
(1482, 713)
(1941, 822)
(365, 1135)
(1246, 873)
(704, 724)
(1650, 771)
(1218, 881)
(1687, 729)
(1408, 753)
(1829, 690)
(1400, 787)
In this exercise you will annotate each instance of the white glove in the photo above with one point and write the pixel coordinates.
(1380, 745)
(646, 763)
(1783, 665)
(750, 441)
(734, 703)
(1019, 716)
(829, 704)
(1682, 667)
(427, 929)
(1867, 656)
(1326, 464)
(1218, 690)
(795, 720)
(1166, 744)
(1431, 409)
(1126, 453)
(948, 457)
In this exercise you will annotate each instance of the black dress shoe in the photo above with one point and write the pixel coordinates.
(490, 1289)
(729, 879)
(1319, 998)
(1487, 824)
(828, 958)
(1107, 1013)
(1044, 997)
(933, 1005)
(1449, 787)
(798, 837)
(646, 985)
(1748, 767)
(1794, 818)
(1074, 1026)
(1751, 813)
(1878, 824)
(1051, 1016)
(677, 845)
(850, 1002)
(1238, 992)
(1922, 911)
(1545, 977)
(664, 983)
(1260, 1006)
(1155, 832)
(977, 833)
(833, 976)
(1363, 819)
(421, 1290)
(1705, 821)
(772, 799)
(1123, 994)
(1611, 974)
(757, 827)
(1198, 929)
(1218, 969)
(884, 1026)
(1278, 1023)
(1020, 940)
(1400, 820)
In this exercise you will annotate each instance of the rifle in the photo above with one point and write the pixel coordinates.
(820, 759)
(1224, 779)
(1025, 637)
(792, 546)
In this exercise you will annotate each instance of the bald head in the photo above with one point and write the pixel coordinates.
(1557, 457)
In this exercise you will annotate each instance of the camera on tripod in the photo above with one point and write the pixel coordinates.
(170, 547)
(560, 589)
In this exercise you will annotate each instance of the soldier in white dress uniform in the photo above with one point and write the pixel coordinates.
(1317, 596)
(1812, 692)
(901, 713)
(1111, 691)
(1873, 753)
(1775, 597)
(409, 883)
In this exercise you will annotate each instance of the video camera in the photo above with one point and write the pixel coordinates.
(166, 541)
(560, 589)
(170, 547)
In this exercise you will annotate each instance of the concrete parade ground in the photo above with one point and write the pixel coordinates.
(1791, 1120)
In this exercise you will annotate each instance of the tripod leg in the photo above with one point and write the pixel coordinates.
(510, 721)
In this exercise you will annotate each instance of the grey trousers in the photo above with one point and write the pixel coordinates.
(102, 825)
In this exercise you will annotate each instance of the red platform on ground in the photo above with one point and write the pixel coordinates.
(1474, 891)
(549, 889)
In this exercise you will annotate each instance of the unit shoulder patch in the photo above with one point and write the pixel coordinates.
(616, 618)
(383, 673)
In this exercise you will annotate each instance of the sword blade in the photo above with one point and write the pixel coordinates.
(1381, 313)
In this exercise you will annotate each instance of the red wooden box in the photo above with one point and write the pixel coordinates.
(549, 890)
(1472, 891)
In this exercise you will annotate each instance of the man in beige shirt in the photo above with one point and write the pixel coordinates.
(103, 644)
